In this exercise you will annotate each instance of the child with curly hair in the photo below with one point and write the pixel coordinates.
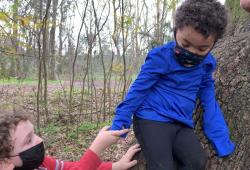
(163, 97)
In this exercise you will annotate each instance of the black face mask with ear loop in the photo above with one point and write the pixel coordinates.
(187, 58)
(32, 158)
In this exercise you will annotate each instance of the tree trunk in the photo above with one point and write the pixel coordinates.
(45, 35)
(232, 79)
(232, 87)
(15, 68)
(52, 75)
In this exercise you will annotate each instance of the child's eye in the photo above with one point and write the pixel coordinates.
(202, 49)
(29, 141)
(185, 45)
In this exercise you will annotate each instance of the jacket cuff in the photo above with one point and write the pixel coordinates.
(116, 126)
(225, 149)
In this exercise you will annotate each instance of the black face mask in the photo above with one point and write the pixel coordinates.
(187, 58)
(32, 158)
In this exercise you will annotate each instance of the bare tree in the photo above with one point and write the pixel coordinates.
(52, 41)
(16, 66)
(74, 60)
(42, 64)
(99, 29)
(45, 35)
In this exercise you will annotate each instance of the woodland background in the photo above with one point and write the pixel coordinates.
(69, 63)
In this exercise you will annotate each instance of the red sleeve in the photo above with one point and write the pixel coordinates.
(105, 166)
(89, 161)
(49, 163)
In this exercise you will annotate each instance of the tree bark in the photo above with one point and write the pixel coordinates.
(45, 35)
(52, 75)
(15, 68)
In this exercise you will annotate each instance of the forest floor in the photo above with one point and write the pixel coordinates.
(66, 136)
(32, 87)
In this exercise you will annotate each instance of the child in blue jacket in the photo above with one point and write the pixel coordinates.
(163, 97)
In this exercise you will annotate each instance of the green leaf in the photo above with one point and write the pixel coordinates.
(3, 17)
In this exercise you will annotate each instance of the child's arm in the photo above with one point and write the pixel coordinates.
(90, 160)
(154, 67)
(214, 123)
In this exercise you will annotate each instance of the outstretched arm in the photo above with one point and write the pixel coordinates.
(154, 67)
(91, 160)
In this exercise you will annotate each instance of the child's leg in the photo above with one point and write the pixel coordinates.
(156, 141)
(188, 150)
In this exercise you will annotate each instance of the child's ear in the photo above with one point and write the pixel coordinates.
(6, 165)
(245, 4)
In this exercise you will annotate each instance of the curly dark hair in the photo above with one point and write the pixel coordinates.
(9, 119)
(208, 17)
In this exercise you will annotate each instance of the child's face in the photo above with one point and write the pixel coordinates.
(23, 138)
(194, 41)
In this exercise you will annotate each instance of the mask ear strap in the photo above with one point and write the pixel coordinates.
(212, 46)
(12, 156)
(175, 33)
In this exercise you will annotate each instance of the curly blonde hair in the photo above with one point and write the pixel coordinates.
(9, 119)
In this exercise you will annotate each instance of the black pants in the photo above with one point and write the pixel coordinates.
(162, 143)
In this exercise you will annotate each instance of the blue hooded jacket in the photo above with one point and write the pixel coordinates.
(167, 91)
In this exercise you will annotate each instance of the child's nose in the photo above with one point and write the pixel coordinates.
(193, 50)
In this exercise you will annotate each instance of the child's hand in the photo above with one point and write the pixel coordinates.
(125, 162)
(105, 138)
